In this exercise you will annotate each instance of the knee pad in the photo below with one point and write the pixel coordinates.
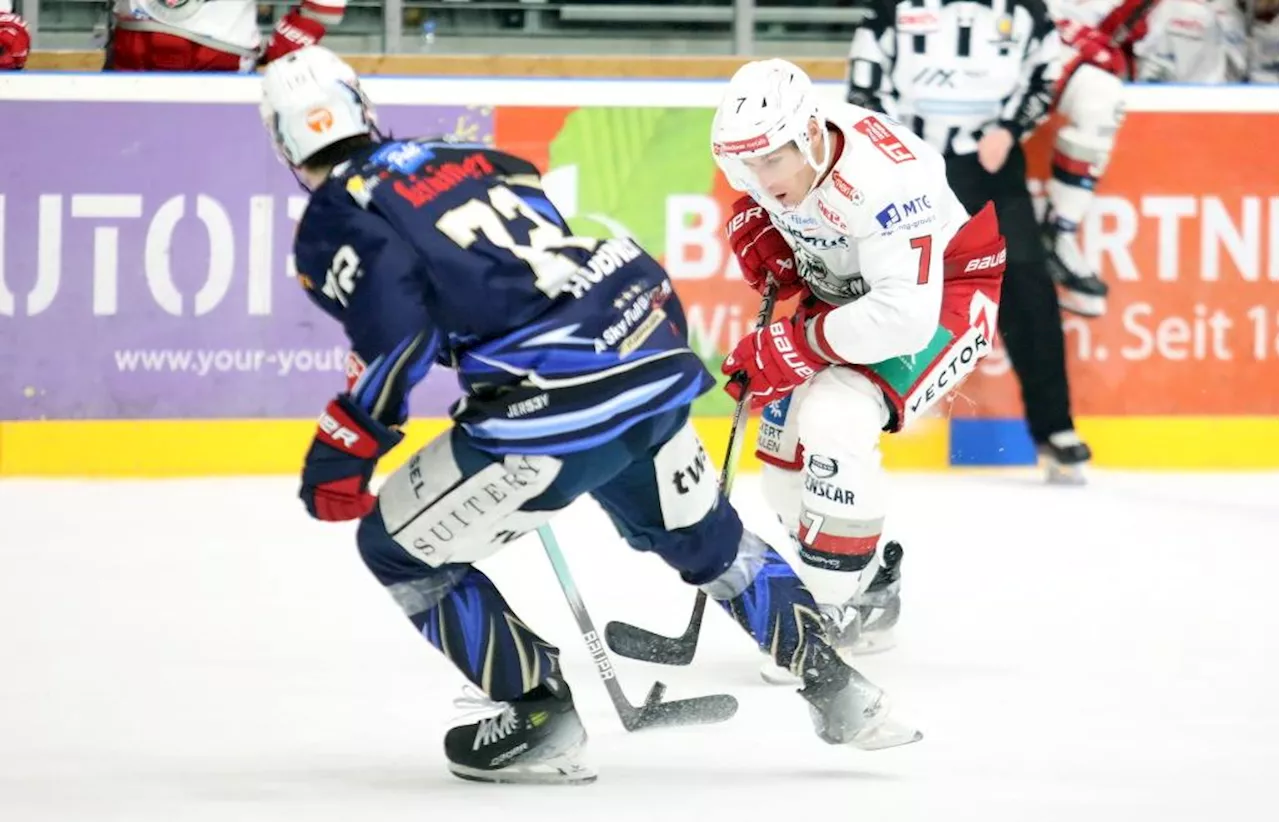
(1093, 103)
(844, 414)
(440, 514)
(414, 586)
(704, 550)
(842, 500)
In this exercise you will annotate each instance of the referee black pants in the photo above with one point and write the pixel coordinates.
(1030, 321)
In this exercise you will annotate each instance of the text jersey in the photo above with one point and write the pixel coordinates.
(871, 236)
(439, 252)
(231, 24)
(1193, 41)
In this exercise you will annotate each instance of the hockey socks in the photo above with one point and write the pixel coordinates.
(773, 606)
(474, 627)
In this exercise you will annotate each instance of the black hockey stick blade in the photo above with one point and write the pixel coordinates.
(699, 710)
(637, 643)
(654, 712)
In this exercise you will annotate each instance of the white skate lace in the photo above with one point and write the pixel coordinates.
(476, 703)
(491, 726)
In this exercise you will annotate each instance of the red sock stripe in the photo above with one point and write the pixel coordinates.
(1080, 168)
(844, 546)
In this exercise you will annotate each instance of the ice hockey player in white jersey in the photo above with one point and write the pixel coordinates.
(15, 40)
(898, 290)
(210, 35)
(1098, 38)
(1193, 41)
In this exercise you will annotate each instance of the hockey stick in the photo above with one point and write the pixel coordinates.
(637, 643)
(654, 712)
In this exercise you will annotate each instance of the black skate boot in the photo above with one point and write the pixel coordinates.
(537, 738)
(1080, 291)
(1065, 456)
(847, 709)
(881, 604)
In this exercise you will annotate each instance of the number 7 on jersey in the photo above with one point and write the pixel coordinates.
(923, 245)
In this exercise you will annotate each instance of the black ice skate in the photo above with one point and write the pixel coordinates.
(847, 709)
(537, 738)
(1064, 455)
(881, 604)
(1080, 291)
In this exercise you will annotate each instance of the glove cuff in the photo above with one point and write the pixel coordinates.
(384, 438)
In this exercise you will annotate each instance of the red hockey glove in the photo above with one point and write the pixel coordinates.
(15, 42)
(340, 463)
(293, 31)
(1095, 47)
(761, 250)
(775, 360)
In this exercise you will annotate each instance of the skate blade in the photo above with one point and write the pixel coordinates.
(869, 643)
(777, 675)
(888, 734)
(561, 770)
(1056, 474)
(1085, 305)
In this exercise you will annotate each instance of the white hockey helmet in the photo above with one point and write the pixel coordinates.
(311, 99)
(767, 105)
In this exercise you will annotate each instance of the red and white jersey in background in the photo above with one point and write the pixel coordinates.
(231, 25)
(1193, 41)
(1101, 32)
(1085, 12)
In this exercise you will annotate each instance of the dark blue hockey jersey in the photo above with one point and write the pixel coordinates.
(440, 252)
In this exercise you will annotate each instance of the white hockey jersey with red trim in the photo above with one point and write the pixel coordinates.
(871, 236)
(1193, 41)
(1085, 12)
(232, 23)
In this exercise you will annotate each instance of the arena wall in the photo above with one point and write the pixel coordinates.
(150, 325)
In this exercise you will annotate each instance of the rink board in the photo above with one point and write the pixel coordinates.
(151, 324)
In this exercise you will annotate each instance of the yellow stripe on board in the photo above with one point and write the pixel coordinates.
(1183, 443)
(181, 448)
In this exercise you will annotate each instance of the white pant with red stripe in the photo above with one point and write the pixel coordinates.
(822, 475)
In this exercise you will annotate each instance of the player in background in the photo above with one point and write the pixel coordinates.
(974, 80)
(210, 35)
(1193, 41)
(573, 355)
(899, 289)
(15, 40)
(1264, 44)
(1098, 38)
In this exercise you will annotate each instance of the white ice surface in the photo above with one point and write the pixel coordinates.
(199, 650)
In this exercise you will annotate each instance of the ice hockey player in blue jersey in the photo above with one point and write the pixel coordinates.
(573, 358)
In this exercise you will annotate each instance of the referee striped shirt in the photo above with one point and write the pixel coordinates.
(951, 69)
